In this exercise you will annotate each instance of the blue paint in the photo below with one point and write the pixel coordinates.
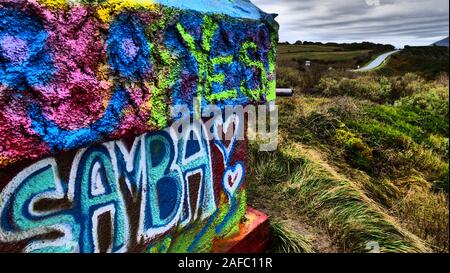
(134, 177)
(199, 236)
(62, 139)
(159, 151)
(234, 8)
(227, 41)
(127, 48)
(159, 171)
(167, 171)
(24, 59)
(87, 203)
(19, 215)
(167, 196)
(199, 161)
(193, 146)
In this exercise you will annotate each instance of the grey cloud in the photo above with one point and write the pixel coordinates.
(399, 22)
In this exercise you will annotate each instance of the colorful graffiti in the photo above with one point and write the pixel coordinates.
(89, 157)
(135, 192)
(76, 73)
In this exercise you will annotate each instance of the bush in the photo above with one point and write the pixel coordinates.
(427, 215)
(371, 88)
(439, 144)
(381, 135)
(407, 85)
(434, 101)
(288, 77)
(359, 153)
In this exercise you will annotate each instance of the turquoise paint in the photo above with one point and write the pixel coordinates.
(89, 203)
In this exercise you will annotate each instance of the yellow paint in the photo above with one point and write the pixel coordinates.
(54, 4)
(6, 161)
(106, 11)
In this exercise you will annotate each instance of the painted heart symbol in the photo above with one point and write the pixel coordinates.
(232, 123)
(233, 178)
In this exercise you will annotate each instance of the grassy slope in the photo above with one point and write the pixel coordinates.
(284, 49)
(425, 61)
(334, 204)
(350, 171)
(328, 56)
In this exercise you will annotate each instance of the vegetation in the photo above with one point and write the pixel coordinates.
(285, 240)
(424, 61)
(363, 158)
(330, 54)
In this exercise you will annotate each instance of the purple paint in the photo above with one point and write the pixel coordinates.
(14, 49)
(130, 48)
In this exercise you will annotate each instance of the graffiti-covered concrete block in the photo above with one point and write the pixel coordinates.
(86, 142)
(73, 74)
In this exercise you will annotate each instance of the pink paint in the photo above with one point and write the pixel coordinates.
(15, 124)
(77, 94)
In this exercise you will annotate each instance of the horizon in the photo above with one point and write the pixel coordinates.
(395, 22)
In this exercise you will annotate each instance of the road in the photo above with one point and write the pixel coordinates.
(377, 62)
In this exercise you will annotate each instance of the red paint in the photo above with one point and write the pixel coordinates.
(254, 235)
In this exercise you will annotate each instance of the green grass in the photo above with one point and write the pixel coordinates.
(284, 240)
(362, 157)
(338, 206)
(416, 124)
(284, 49)
(425, 61)
(324, 56)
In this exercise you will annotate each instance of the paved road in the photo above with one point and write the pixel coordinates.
(377, 62)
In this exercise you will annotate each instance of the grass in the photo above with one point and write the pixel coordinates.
(328, 56)
(362, 158)
(284, 49)
(284, 240)
(425, 61)
(379, 153)
(338, 206)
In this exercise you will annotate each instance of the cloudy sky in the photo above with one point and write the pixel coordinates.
(398, 22)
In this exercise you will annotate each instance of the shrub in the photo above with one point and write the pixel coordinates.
(371, 88)
(359, 153)
(434, 101)
(439, 144)
(323, 125)
(288, 77)
(427, 215)
(407, 85)
(381, 134)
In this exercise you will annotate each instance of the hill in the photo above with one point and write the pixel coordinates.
(443, 42)
(427, 61)
(362, 159)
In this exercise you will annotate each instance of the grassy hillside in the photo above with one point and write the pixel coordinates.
(325, 56)
(424, 61)
(340, 55)
(363, 159)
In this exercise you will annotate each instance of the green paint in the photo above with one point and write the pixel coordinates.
(219, 78)
(167, 74)
(183, 240)
(161, 246)
(254, 94)
(272, 85)
(205, 65)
